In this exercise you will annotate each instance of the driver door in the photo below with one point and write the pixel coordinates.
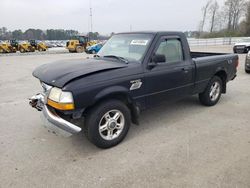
(172, 79)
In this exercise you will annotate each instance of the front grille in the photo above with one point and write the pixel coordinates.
(240, 47)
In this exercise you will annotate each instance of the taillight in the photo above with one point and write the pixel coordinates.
(237, 63)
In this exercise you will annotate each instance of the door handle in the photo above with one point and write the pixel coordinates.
(185, 70)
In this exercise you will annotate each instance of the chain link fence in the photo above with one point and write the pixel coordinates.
(215, 41)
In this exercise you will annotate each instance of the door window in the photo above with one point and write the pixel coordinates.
(172, 49)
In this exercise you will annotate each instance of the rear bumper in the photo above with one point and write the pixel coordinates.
(52, 120)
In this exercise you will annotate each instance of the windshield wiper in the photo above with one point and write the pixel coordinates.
(117, 57)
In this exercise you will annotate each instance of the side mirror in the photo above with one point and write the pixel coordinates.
(157, 58)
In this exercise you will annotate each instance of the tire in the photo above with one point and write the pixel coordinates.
(247, 71)
(103, 115)
(79, 49)
(212, 93)
(22, 50)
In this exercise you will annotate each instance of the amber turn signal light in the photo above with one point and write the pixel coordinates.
(61, 106)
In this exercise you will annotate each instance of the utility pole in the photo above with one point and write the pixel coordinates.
(91, 15)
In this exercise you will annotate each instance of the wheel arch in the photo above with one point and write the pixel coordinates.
(118, 93)
(222, 74)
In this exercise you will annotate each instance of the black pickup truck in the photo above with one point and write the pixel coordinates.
(132, 72)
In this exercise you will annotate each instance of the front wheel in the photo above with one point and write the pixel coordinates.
(108, 123)
(22, 50)
(79, 49)
(212, 93)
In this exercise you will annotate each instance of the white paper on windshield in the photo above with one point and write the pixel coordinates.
(139, 42)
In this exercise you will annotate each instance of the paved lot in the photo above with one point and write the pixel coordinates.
(180, 145)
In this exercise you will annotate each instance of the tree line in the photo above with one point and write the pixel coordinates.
(230, 19)
(49, 34)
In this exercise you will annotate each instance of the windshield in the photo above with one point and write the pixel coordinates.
(128, 46)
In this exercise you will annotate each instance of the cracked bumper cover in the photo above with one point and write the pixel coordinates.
(51, 119)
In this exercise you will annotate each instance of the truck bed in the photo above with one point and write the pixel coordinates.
(208, 63)
(204, 54)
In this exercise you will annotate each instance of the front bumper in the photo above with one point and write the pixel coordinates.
(51, 119)
(240, 49)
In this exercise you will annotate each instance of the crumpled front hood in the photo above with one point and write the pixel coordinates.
(60, 73)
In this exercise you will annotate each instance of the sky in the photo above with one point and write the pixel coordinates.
(108, 15)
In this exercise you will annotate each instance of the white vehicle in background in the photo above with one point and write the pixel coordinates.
(247, 63)
(242, 47)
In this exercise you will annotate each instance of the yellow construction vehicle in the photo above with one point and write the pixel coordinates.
(79, 44)
(5, 47)
(92, 42)
(25, 47)
(38, 45)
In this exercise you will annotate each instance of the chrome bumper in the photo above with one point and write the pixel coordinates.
(53, 121)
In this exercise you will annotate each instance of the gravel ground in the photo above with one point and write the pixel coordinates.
(179, 145)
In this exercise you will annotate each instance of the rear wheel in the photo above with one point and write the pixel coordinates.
(212, 93)
(108, 123)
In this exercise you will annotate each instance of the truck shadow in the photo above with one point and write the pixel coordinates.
(163, 115)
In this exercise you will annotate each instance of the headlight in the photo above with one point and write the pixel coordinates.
(60, 100)
(55, 94)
